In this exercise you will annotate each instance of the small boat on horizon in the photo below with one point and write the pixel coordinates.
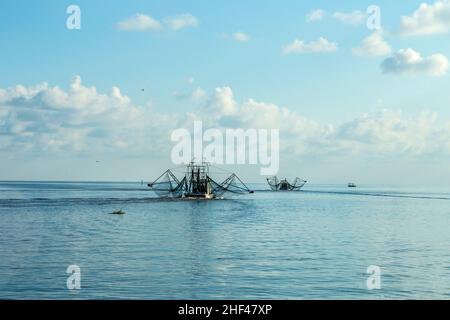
(351, 185)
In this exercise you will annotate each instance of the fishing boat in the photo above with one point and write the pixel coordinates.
(197, 183)
(285, 185)
(351, 185)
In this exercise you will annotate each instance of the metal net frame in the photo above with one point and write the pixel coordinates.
(232, 185)
(276, 185)
(168, 185)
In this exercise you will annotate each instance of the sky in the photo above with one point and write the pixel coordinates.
(351, 103)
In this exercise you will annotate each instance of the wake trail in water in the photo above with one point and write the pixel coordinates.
(102, 201)
(370, 194)
(35, 202)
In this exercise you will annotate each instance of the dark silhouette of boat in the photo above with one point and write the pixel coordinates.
(118, 212)
(284, 185)
(197, 184)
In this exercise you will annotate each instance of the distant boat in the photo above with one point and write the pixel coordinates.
(351, 185)
(284, 185)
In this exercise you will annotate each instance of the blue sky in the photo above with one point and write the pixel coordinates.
(329, 88)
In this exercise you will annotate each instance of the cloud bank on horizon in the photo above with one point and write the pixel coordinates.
(45, 119)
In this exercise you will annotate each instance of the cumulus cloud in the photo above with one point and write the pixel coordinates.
(427, 19)
(390, 132)
(382, 133)
(373, 45)
(52, 120)
(181, 21)
(321, 45)
(80, 120)
(354, 18)
(139, 22)
(222, 103)
(315, 15)
(241, 36)
(409, 61)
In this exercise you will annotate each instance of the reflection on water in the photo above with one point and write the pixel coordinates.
(312, 244)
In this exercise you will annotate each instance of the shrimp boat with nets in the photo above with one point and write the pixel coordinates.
(285, 185)
(197, 183)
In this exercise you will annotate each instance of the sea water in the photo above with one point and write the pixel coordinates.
(315, 244)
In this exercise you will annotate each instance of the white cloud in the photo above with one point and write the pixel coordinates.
(44, 119)
(383, 133)
(427, 19)
(181, 21)
(409, 61)
(241, 37)
(355, 18)
(315, 15)
(51, 121)
(321, 45)
(373, 45)
(390, 132)
(222, 103)
(139, 22)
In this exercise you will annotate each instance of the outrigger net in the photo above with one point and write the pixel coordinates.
(232, 185)
(276, 184)
(168, 186)
(298, 183)
(273, 183)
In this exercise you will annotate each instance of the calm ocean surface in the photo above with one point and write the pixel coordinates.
(315, 244)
